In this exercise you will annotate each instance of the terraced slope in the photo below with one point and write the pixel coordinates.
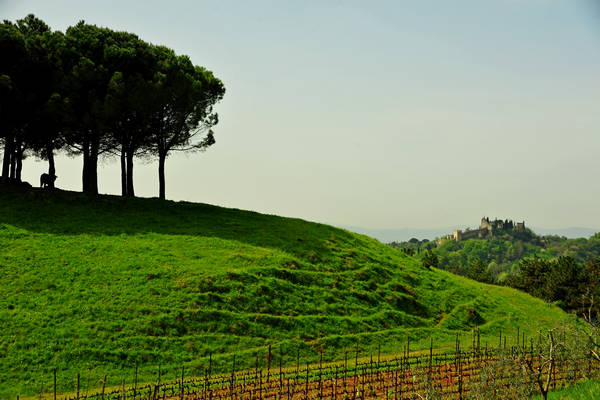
(97, 284)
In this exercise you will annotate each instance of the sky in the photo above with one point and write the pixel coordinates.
(379, 114)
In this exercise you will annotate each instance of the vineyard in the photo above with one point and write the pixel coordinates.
(455, 374)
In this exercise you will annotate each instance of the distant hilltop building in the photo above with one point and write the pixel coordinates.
(486, 228)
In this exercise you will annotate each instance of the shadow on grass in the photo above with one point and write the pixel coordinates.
(74, 213)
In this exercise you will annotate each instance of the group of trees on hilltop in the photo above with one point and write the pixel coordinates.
(96, 92)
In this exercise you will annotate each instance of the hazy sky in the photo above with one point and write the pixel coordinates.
(381, 114)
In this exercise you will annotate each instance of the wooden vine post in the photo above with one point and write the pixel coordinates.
(103, 386)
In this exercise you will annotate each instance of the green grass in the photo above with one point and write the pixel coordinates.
(95, 284)
(589, 390)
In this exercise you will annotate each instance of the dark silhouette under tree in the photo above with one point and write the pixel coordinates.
(47, 180)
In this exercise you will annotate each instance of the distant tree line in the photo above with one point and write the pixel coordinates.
(96, 92)
(572, 285)
(413, 246)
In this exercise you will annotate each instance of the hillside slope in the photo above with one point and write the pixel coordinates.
(97, 284)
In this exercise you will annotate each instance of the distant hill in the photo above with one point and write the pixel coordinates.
(96, 284)
(401, 234)
(570, 233)
(405, 234)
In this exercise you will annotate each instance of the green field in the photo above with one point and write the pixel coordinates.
(94, 284)
(589, 390)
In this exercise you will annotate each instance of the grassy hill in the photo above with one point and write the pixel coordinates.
(96, 284)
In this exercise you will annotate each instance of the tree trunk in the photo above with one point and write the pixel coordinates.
(15, 157)
(51, 167)
(13, 162)
(19, 156)
(86, 166)
(161, 175)
(123, 172)
(8, 142)
(93, 167)
(130, 191)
